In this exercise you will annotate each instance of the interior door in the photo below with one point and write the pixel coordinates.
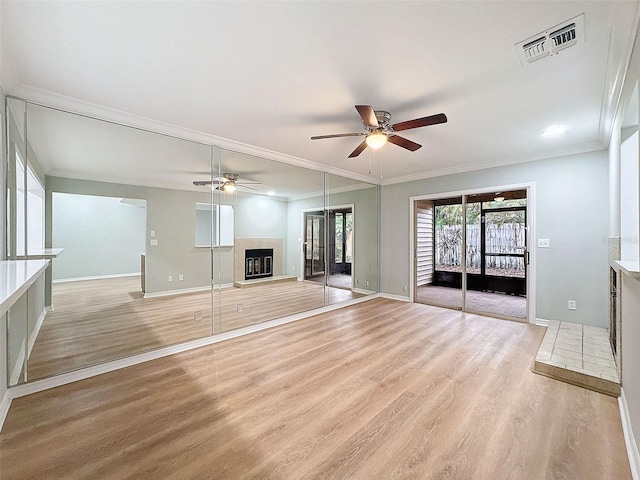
(314, 244)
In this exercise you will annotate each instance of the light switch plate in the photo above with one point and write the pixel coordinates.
(543, 243)
(154, 242)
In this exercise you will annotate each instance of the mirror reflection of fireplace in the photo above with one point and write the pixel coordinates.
(258, 263)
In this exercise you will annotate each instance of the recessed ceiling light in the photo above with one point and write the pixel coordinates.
(554, 131)
(271, 193)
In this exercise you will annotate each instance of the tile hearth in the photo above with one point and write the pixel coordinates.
(578, 354)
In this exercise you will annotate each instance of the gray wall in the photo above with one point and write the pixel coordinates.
(570, 210)
(630, 296)
(100, 236)
(171, 214)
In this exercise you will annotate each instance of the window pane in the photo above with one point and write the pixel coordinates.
(20, 213)
(339, 237)
(35, 213)
(348, 227)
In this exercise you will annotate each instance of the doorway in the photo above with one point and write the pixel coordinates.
(329, 232)
(471, 253)
(314, 243)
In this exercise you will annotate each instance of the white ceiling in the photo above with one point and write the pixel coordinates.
(262, 77)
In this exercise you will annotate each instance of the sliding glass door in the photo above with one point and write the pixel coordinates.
(477, 260)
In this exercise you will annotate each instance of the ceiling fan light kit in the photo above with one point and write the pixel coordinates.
(379, 129)
(376, 139)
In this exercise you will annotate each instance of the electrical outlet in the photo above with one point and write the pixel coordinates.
(571, 304)
(180, 277)
(405, 288)
(367, 283)
(293, 267)
(171, 278)
(239, 308)
(153, 233)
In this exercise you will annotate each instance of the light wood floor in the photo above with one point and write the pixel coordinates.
(100, 320)
(379, 390)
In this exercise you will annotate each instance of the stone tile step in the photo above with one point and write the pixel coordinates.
(580, 379)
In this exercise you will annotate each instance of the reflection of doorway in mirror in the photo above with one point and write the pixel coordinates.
(329, 246)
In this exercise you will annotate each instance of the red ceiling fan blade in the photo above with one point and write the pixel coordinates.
(368, 115)
(404, 142)
(420, 122)
(337, 135)
(359, 149)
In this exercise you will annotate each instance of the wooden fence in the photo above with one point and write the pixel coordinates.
(498, 239)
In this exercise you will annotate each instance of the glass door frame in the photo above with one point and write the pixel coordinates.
(530, 263)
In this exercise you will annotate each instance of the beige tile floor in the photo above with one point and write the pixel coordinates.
(579, 348)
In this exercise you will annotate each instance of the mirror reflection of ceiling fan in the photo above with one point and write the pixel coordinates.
(379, 129)
(227, 183)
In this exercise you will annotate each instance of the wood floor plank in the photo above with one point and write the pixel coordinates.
(382, 389)
(95, 321)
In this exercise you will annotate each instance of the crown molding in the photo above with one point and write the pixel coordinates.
(561, 152)
(619, 63)
(71, 105)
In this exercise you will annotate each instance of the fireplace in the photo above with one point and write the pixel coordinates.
(258, 263)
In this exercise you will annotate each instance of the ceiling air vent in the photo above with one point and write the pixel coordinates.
(551, 41)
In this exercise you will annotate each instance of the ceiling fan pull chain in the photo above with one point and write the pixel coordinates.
(369, 162)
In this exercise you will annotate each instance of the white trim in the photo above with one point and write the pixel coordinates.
(472, 167)
(95, 277)
(70, 377)
(223, 285)
(36, 331)
(391, 296)
(17, 368)
(5, 404)
(541, 322)
(167, 293)
(363, 291)
(45, 98)
(629, 438)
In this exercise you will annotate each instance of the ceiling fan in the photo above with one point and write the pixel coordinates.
(227, 183)
(379, 129)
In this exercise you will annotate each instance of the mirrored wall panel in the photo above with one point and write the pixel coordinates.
(155, 240)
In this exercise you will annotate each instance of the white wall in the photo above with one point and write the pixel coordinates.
(100, 236)
(571, 207)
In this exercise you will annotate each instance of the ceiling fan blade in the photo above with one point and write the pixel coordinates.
(404, 142)
(420, 122)
(202, 183)
(244, 185)
(319, 137)
(368, 115)
(248, 183)
(359, 149)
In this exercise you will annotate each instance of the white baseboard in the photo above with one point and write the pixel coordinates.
(168, 293)
(16, 371)
(4, 407)
(96, 277)
(36, 331)
(391, 296)
(542, 322)
(629, 438)
(363, 291)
